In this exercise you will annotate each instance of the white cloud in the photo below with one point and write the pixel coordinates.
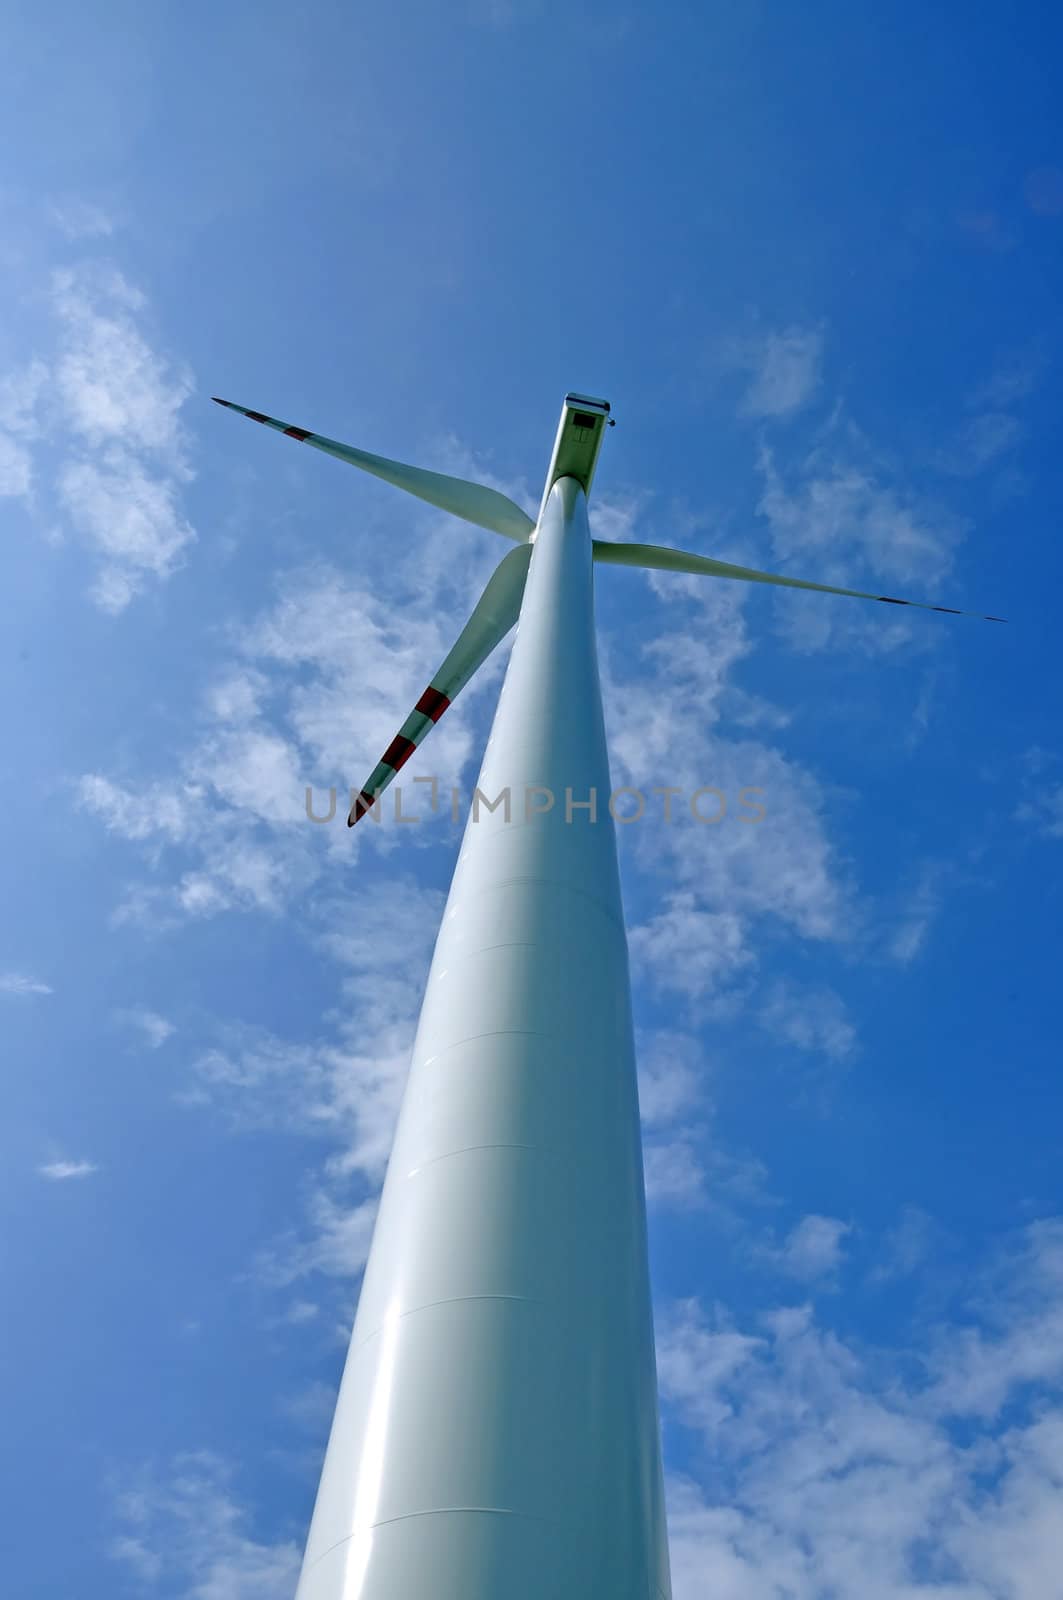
(814, 1249)
(833, 507)
(1044, 811)
(81, 219)
(155, 1029)
(21, 983)
(301, 1311)
(616, 518)
(114, 387)
(237, 696)
(237, 873)
(117, 405)
(21, 393)
(674, 1108)
(1015, 1336)
(661, 723)
(817, 1469)
(156, 810)
(784, 368)
(1013, 380)
(311, 1407)
(979, 442)
(110, 404)
(674, 1171)
(685, 1166)
(335, 1241)
(60, 1171)
(691, 951)
(16, 469)
(835, 518)
(188, 1533)
(809, 1018)
(345, 1088)
(907, 1245)
(672, 1073)
(907, 937)
(253, 770)
(697, 1357)
(130, 514)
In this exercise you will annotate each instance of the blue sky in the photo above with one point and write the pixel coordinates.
(812, 258)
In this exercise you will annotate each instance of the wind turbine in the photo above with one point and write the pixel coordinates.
(496, 1432)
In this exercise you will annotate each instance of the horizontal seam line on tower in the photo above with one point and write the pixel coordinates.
(492, 1033)
(466, 1149)
(433, 1511)
(445, 1511)
(449, 1300)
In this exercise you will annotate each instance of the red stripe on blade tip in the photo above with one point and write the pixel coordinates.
(432, 703)
(398, 752)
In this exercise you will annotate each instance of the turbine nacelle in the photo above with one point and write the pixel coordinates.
(577, 445)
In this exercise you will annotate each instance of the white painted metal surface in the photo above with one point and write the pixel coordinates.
(496, 1433)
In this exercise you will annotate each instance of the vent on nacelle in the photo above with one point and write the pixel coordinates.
(583, 419)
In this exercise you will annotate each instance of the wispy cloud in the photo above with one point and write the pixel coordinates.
(908, 1245)
(130, 514)
(118, 403)
(343, 1088)
(155, 810)
(675, 1111)
(836, 517)
(691, 951)
(662, 720)
(1042, 810)
(784, 367)
(108, 404)
(839, 507)
(979, 442)
(828, 1469)
(20, 394)
(20, 983)
(152, 1028)
(1013, 380)
(81, 219)
(60, 1171)
(813, 1019)
(686, 1166)
(814, 1249)
(16, 469)
(906, 936)
(187, 1532)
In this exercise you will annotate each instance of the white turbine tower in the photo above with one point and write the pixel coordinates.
(496, 1433)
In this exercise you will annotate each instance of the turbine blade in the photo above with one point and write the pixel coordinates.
(472, 501)
(661, 558)
(493, 615)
